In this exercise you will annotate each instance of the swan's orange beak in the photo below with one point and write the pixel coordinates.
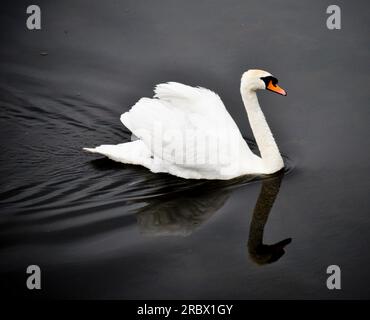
(276, 88)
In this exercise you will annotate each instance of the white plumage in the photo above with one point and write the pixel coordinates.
(187, 132)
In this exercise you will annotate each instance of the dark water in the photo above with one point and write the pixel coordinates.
(99, 229)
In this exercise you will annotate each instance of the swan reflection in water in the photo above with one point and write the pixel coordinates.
(182, 213)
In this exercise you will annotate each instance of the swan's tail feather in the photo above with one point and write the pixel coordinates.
(134, 152)
(92, 150)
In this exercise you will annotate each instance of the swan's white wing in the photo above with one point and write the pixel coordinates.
(181, 114)
(190, 99)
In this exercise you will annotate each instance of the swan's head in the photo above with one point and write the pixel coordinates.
(255, 79)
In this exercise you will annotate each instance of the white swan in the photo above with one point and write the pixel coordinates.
(187, 132)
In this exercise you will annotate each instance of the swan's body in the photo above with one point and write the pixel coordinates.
(187, 132)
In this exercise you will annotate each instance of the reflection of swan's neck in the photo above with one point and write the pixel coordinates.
(271, 158)
(258, 251)
(265, 201)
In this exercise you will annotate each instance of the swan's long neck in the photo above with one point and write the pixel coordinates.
(271, 158)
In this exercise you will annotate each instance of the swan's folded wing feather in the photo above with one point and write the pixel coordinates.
(190, 99)
(160, 127)
(180, 114)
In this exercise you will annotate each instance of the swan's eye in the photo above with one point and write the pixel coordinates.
(269, 79)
